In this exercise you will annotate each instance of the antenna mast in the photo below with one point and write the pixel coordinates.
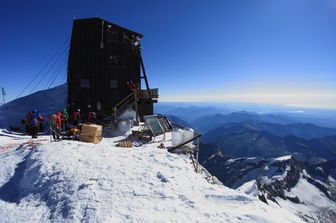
(3, 94)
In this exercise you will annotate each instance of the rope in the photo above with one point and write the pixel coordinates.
(57, 60)
(55, 75)
(58, 66)
(45, 66)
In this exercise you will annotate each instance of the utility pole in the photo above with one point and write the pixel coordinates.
(3, 94)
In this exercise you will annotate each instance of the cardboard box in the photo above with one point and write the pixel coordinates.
(91, 133)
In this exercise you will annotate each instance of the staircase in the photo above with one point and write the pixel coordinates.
(133, 99)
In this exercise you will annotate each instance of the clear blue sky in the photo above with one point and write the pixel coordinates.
(259, 51)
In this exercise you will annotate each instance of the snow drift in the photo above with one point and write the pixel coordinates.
(73, 181)
(47, 101)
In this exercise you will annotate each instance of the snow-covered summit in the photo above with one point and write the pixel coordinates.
(46, 101)
(71, 181)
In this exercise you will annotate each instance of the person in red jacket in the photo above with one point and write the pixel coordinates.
(76, 118)
(59, 120)
(55, 123)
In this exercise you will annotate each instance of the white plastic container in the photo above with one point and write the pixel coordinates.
(124, 126)
(128, 114)
(188, 134)
(177, 137)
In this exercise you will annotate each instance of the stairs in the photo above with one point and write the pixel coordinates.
(123, 105)
(138, 95)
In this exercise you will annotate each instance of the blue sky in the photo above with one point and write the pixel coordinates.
(256, 51)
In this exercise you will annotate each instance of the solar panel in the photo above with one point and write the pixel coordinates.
(154, 124)
(165, 124)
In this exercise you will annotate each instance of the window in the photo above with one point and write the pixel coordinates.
(113, 84)
(114, 60)
(113, 36)
(84, 83)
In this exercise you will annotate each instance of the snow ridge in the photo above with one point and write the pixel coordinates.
(73, 181)
(47, 101)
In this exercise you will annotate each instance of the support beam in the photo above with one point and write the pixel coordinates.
(143, 71)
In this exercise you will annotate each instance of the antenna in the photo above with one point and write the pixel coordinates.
(3, 94)
(74, 16)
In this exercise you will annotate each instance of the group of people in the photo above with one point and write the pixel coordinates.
(59, 122)
(34, 123)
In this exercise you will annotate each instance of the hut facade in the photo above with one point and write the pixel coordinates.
(103, 59)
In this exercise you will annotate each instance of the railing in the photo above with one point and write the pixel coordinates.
(126, 99)
(129, 100)
(148, 94)
(132, 99)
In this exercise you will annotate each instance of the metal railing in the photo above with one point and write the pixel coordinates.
(148, 94)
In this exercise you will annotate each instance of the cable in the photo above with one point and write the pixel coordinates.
(54, 75)
(38, 83)
(56, 61)
(58, 72)
(38, 73)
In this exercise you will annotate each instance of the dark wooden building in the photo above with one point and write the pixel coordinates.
(103, 57)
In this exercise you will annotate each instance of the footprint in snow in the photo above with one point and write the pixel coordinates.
(186, 201)
(161, 177)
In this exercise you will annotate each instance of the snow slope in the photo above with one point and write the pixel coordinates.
(309, 190)
(47, 101)
(71, 181)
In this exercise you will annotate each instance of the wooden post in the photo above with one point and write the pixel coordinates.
(193, 162)
(197, 151)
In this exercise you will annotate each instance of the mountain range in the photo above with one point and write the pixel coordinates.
(310, 185)
(211, 121)
(246, 139)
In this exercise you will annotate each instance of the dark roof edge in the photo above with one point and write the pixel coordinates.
(111, 23)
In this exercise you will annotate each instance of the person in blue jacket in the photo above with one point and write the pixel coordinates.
(33, 126)
(36, 113)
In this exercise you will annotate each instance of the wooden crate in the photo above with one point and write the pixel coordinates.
(91, 133)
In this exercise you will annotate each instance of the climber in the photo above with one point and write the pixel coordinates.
(76, 118)
(33, 127)
(91, 117)
(40, 120)
(65, 117)
(26, 122)
(55, 125)
(36, 113)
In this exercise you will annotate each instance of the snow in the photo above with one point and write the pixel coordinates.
(72, 181)
(283, 158)
(46, 101)
(249, 188)
(272, 174)
(314, 198)
(314, 203)
(253, 160)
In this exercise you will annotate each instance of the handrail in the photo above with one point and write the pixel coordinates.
(134, 97)
(122, 101)
(148, 94)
